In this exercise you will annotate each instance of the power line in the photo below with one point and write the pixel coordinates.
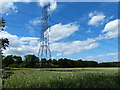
(81, 33)
(14, 26)
(67, 18)
(29, 14)
(57, 23)
(88, 36)
(17, 22)
(19, 27)
(38, 30)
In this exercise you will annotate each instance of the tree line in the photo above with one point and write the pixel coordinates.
(31, 61)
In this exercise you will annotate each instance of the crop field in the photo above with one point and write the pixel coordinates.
(61, 78)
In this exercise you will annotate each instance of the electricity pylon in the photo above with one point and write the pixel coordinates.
(44, 50)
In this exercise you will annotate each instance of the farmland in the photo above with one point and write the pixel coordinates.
(61, 78)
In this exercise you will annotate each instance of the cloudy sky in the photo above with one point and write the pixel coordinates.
(79, 30)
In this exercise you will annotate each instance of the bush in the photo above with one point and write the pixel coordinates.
(55, 66)
(23, 64)
(14, 65)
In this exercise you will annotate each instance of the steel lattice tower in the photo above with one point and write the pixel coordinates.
(44, 50)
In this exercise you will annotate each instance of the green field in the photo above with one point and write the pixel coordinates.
(61, 78)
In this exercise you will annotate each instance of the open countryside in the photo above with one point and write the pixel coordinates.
(51, 44)
(61, 78)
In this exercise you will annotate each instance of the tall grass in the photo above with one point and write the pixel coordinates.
(56, 79)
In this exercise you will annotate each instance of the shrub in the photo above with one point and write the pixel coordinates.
(14, 65)
(23, 64)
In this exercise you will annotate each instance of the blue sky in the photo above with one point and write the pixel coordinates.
(84, 30)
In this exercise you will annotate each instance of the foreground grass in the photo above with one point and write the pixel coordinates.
(72, 78)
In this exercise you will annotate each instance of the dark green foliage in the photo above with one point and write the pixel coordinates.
(54, 61)
(5, 43)
(2, 23)
(7, 61)
(18, 60)
(109, 64)
(65, 63)
(31, 61)
(23, 64)
(14, 65)
(11, 61)
(80, 63)
(46, 63)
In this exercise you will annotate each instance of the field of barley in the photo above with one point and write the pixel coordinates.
(61, 78)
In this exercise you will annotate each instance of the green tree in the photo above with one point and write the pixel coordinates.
(43, 63)
(64, 63)
(49, 63)
(8, 60)
(23, 64)
(31, 61)
(3, 41)
(2, 23)
(17, 59)
(54, 61)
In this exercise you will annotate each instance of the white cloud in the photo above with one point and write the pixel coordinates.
(7, 8)
(22, 1)
(28, 38)
(111, 26)
(42, 3)
(96, 18)
(94, 13)
(109, 57)
(33, 23)
(110, 30)
(31, 30)
(70, 48)
(53, 4)
(36, 21)
(59, 54)
(30, 45)
(14, 42)
(91, 14)
(103, 55)
(59, 31)
(20, 45)
(89, 31)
